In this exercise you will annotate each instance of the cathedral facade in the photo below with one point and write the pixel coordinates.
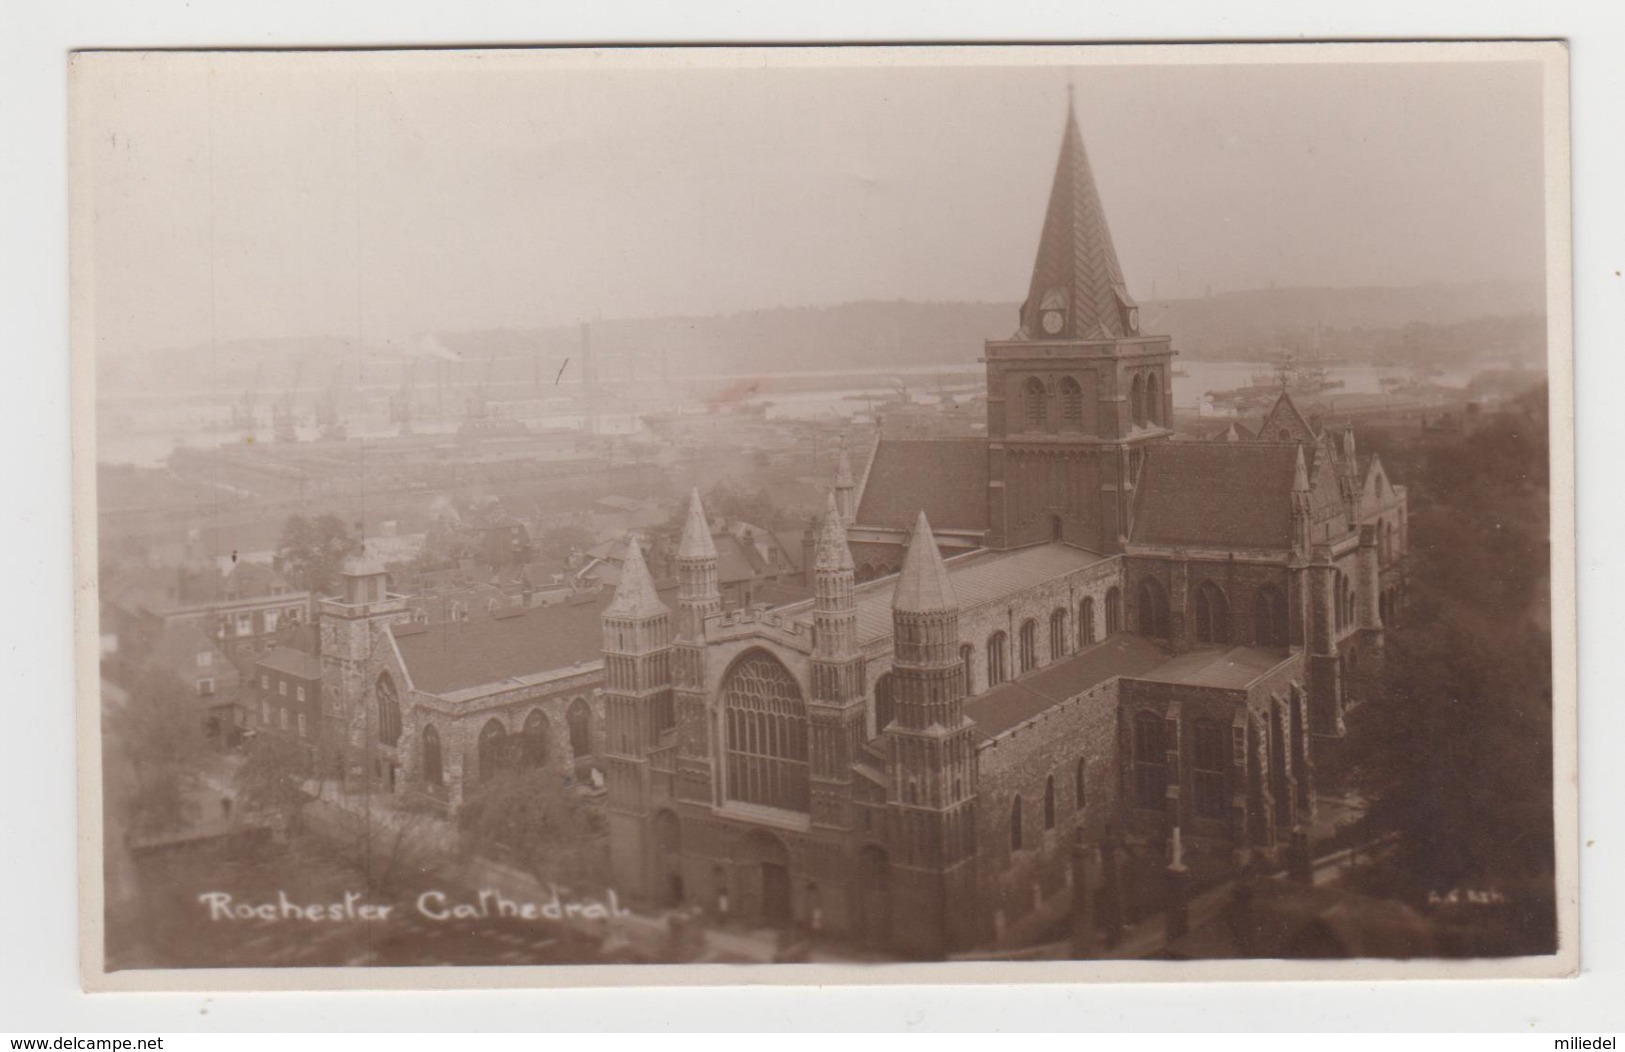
(1077, 626)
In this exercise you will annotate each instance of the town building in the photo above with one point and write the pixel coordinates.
(1073, 627)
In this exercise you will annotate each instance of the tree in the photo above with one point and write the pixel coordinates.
(158, 736)
(313, 551)
(271, 779)
(534, 818)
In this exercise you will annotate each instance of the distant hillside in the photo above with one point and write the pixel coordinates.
(895, 334)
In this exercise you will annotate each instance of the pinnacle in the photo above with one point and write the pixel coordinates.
(635, 594)
(833, 553)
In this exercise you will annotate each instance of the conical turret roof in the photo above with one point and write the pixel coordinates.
(1300, 474)
(833, 552)
(635, 596)
(843, 468)
(696, 542)
(1076, 274)
(923, 586)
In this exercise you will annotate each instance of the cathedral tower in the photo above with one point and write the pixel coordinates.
(698, 598)
(637, 712)
(932, 758)
(837, 713)
(1078, 392)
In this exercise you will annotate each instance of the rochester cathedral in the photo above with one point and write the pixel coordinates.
(1016, 643)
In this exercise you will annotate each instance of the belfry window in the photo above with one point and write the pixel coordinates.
(766, 735)
(1072, 404)
(1037, 404)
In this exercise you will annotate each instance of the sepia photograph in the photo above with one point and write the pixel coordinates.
(973, 507)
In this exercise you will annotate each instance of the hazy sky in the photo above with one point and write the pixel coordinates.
(349, 194)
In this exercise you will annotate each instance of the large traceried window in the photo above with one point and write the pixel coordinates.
(766, 735)
(1212, 614)
(1212, 748)
(1269, 617)
(389, 711)
(1150, 761)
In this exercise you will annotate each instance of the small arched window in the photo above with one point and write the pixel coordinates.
(1080, 784)
(1086, 622)
(1057, 634)
(1114, 611)
(1015, 823)
(1049, 802)
(1037, 403)
(1212, 614)
(433, 766)
(1072, 404)
(1029, 646)
(995, 659)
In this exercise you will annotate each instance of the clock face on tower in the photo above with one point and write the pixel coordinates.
(1134, 320)
(1052, 321)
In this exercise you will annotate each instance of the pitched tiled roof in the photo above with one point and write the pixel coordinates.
(945, 478)
(1076, 271)
(457, 655)
(1216, 494)
(1012, 704)
(977, 578)
(293, 662)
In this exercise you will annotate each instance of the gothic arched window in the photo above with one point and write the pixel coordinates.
(1037, 404)
(1208, 769)
(1057, 634)
(389, 711)
(1152, 602)
(579, 718)
(1150, 761)
(433, 766)
(1029, 646)
(493, 749)
(1114, 610)
(1269, 617)
(1080, 785)
(766, 734)
(996, 672)
(1049, 802)
(1212, 614)
(1086, 622)
(1015, 823)
(533, 740)
(1136, 400)
(1072, 403)
(1153, 399)
(885, 703)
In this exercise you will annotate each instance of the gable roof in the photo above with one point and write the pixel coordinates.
(457, 655)
(1016, 701)
(1216, 494)
(1285, 416)
(945, 478)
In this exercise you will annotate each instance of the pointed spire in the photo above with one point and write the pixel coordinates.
(833, 552)
(923, 586)
(1077, 282)
(843, 467)
(635, 596)
(1300, 474)
(696, 542)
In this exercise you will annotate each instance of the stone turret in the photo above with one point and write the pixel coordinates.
(698, 594)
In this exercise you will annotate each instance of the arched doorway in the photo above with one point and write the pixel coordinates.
(874, 894)
(770, 859)
(668, 860)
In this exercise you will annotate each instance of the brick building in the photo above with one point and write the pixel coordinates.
(1074, 623)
